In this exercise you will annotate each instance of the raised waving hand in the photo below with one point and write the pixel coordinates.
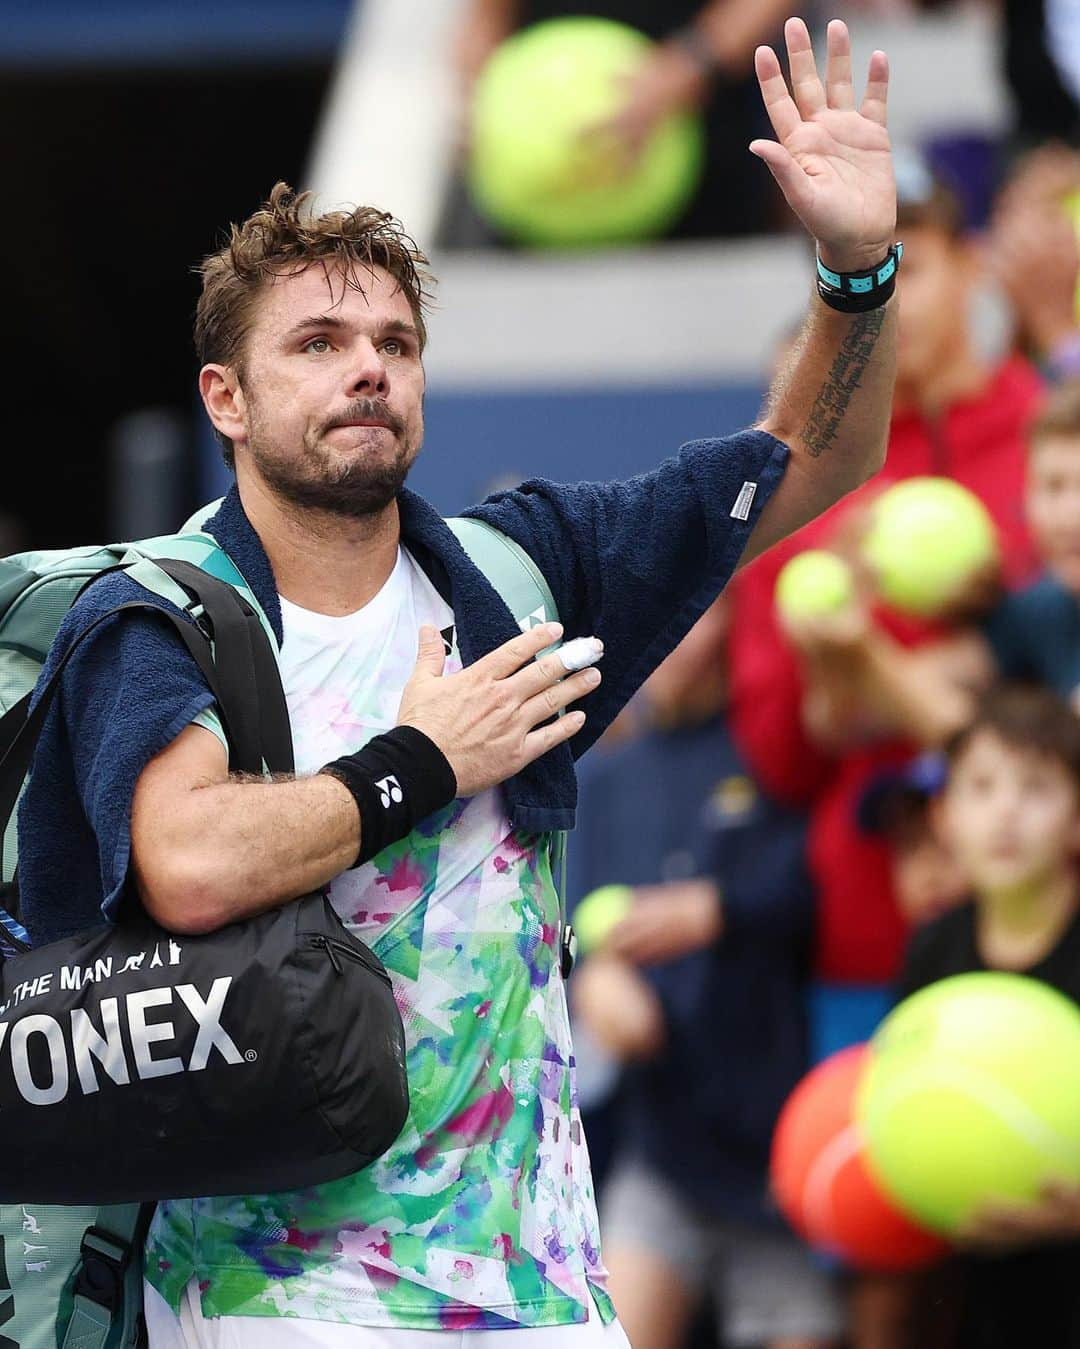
(831, 158)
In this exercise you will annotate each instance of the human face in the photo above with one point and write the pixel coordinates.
(934, 285)
(332, 391)
(1053, 505)
(1011, 816)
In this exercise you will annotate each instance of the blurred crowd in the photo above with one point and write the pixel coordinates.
(843, 807)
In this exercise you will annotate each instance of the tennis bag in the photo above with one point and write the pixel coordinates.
(154, 1016)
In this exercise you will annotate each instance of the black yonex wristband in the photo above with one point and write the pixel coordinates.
(859, 292)
(396, 780)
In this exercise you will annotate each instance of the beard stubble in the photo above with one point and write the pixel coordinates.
(351, 488)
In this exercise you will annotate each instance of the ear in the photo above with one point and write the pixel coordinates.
(224, 401)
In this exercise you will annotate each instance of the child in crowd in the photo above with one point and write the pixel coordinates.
(1035, 633)
(1010, 814)
(928, 881)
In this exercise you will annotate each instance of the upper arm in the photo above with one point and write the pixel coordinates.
(127, 694)
(802, 495)
(159, 807)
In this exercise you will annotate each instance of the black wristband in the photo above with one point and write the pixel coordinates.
(859, 292)
(396, 780)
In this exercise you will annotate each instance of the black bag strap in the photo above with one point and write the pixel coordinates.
(251, 694)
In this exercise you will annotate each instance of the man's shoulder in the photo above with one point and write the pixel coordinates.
(1044, 600)
(133, 639)
(1042, 596)
(106, 592)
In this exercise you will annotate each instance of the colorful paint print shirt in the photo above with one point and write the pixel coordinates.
(482, 1213)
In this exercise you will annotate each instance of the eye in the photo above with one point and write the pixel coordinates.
(393, 346)
(318, 346)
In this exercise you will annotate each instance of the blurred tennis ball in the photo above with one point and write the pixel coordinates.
(821, 1180)
(599, 912)
(972, 1093)
(813, 584)
(927, 537)
(536, 172)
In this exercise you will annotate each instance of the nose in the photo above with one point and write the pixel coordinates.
(368, 376)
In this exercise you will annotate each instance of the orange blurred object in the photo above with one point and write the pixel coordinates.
(822, 1183)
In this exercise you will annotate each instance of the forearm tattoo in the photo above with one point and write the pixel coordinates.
(844, 378)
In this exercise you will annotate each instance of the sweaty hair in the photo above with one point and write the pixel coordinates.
(1025, 717)
(282, 239)
(1060, 414)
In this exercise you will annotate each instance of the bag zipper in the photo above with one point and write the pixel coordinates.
(334, 949)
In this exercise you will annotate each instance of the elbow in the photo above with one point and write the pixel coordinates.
(875, 459)
(183, 894)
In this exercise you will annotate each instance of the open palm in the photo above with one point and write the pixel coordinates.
(833, 161)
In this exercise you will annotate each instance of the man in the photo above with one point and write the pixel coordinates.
(480, 1216)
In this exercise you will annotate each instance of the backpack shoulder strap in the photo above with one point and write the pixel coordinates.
(523, 588)
(195, 573)
(517, 579)
(107, 1278)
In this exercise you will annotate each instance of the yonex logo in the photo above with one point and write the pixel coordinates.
(390, 791)
(70, 1055)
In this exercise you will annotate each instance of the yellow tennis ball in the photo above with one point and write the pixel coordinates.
(599, 912)
(813, 584)
(536, 172)
(972, 1094)
(928, 536)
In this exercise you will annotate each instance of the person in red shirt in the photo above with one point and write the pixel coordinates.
(958, 412)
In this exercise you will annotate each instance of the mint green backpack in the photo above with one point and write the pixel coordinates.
(71, 1278)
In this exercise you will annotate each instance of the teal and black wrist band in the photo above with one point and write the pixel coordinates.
(859, 292)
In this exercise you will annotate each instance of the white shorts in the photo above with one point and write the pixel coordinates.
(191, 1330)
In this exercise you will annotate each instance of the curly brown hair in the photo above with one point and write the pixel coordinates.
(1026, 717)
(281, 238)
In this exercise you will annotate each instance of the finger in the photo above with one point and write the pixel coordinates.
(557, 696)
(431, 651)
(554, 733)
(546, 670)
(839, 87)
(792, 180)
(876, 99)
(805, 82)
(783, 114)
(512, 655)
